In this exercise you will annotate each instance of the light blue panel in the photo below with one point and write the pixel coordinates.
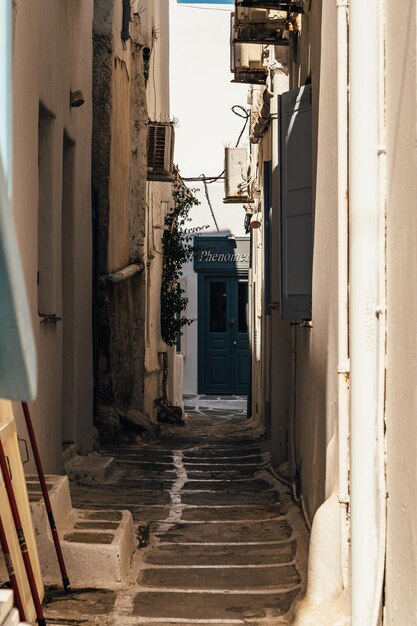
(5, 89)
(18, 373)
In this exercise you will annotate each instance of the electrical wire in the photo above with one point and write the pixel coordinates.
(210, 205)
(188, 6)
(240, 111)
(245, 114)
(208, 179)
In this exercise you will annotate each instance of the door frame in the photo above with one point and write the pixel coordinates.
(220, 273)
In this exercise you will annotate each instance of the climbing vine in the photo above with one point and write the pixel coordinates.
(178, 249)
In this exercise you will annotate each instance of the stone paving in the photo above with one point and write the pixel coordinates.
(227, 542)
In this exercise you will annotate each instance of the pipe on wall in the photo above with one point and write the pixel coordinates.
(121, 275)
(343, 298)
(367, 310)
(381, 314)
(279, 330)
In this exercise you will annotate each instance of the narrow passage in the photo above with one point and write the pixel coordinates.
(227, 542)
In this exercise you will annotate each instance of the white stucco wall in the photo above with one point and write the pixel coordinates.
(316, 377)
(401, 564)
(304, 357)
(52, 55)
(316, 400)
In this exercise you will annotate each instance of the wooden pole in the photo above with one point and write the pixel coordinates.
(10, 572)
(21, 537)
(41, 475)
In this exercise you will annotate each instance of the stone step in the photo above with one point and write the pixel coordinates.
(6, 604)
(220, 555)
(166, 606)
(69, 451)
(279, 578)
(93, 468)
(220, 532)
(97, 545)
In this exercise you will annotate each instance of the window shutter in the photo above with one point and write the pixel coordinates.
(267, 232)
(296, 203)
(160, 150)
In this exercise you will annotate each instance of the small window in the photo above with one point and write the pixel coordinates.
(46, 278)
(243, 306)
(218, 305)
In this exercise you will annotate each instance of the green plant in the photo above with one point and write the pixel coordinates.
(178, 249)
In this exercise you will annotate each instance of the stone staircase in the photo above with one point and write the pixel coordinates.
(97, 545)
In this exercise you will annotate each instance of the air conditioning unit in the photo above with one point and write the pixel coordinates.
(247, 62)
(160, 151)
(236, 187)
(244, 14)
(249, 59)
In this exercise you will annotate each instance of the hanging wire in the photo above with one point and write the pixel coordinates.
(209, 203)
(240, 111)
(245, 114)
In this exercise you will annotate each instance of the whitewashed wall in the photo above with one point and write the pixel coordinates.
(52, 55)
(401, 565)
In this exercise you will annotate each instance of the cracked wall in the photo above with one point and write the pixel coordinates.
(129, 346)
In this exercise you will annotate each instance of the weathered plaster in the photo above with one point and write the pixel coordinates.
(129, 370)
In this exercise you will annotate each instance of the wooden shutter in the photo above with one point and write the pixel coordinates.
(267, 233)
(296, 203)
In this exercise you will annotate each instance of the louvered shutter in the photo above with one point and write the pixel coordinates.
(296, 203)
(160, 150)
(267, 233)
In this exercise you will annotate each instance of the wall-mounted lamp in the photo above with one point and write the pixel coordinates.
(255, 221)
(232, 238)
(146, 54)
(76, 98)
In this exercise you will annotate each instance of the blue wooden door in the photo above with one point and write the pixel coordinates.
(223, 345)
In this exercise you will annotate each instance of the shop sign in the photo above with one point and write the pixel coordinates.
(215, 253)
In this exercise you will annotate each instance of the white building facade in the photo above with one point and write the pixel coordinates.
(52, 59)
(333, 135)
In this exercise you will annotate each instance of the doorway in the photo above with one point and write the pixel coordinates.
(223, 363)
(68, 288)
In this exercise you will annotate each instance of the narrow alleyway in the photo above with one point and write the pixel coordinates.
(227, 543)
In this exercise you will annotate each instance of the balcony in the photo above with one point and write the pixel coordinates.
(259, 26)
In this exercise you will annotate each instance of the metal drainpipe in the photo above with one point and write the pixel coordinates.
(367, 310)
(381, 314)
(343, 300)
